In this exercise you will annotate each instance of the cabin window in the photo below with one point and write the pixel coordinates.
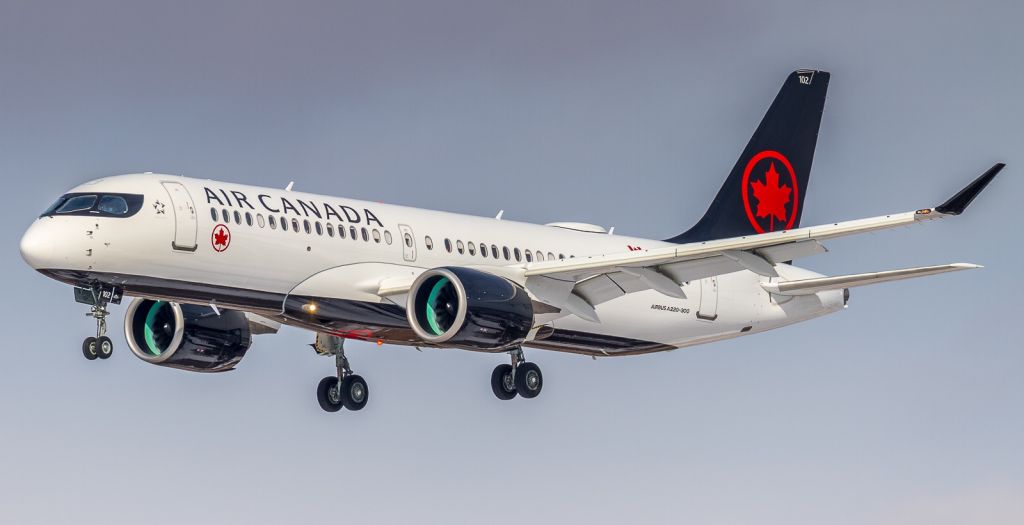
(273, 222)
(341, 231)
(366, 235)
(319, 228)
(539, 256)
(551, 256)
(504, 251)
(483, 250)
(238, 217)
(428, 242)
(387, 237)
(561, 257)
(260, 221)
(213, 214)
(494, 251)
(376, 235)
(518, 255)
(460, 247)
(330, 230)
(529, 256)
(284, 224)
(248, 219)
(408, 240)
(448, 245)
(224, 215)
(295, 226)
(471, 247)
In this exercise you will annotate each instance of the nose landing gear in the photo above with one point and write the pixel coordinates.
(519, 378)
(100, 346)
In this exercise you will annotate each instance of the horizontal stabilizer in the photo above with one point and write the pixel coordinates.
(811, 286)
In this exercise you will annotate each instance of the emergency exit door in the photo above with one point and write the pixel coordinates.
(408, 242)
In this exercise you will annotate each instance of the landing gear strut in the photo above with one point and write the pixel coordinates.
(519, 378)
(346, 389)
(100, 346)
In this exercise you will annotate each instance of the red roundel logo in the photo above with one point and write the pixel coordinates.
(770, 192)
(220, 238)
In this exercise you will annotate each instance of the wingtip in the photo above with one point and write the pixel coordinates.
(966, 266)
(959, 202)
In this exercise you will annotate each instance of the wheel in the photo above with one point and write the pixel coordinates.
(502, 384)
(89, 348)
(529, 380)
(328, 395)
(354, 392)
(104, 347)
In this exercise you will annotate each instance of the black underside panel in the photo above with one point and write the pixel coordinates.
(353, 319)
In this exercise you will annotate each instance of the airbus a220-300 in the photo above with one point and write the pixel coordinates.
(211, 264)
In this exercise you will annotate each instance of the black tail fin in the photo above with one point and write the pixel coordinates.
(765, 191)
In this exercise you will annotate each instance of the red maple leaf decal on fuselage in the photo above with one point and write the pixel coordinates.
(220, 238)
(771, 197)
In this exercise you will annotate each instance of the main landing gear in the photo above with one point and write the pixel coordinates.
(100, 346)
(346, 389)
(519, 378)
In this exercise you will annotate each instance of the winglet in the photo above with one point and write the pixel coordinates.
(959, 202)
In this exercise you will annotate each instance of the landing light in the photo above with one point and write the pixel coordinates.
(309, 308)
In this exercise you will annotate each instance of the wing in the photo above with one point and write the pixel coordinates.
(577, 285)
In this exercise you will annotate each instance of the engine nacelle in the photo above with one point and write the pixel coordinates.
(462, 307)
(186, 336)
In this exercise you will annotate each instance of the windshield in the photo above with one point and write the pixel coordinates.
(79, 203)
(113, 204)
(96, 204)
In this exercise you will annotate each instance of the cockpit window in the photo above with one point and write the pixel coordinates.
(113, 204)
(96, 205)
(79, 203)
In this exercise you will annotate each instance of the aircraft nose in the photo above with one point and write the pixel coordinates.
(37, 246)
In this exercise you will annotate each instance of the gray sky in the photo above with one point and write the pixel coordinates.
(903, 409)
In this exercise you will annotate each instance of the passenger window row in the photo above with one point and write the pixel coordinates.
(366, 234)
(492, 251)
(293, 224)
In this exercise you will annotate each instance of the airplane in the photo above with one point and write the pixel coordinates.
(210, 264)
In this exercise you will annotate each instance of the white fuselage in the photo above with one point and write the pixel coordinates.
(186, 244)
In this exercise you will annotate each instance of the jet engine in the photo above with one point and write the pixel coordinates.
(467, 308)
(184, 336)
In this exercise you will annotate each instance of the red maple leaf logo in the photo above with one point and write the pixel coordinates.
(771, 197)
(221, 238)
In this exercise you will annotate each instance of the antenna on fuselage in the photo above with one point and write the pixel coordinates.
(289, 186)
(500, 213)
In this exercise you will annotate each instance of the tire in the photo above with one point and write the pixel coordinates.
(502, 385)
(354, 392)
(89, 348)
(529, 380)
(104, 347)
(328, 402)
